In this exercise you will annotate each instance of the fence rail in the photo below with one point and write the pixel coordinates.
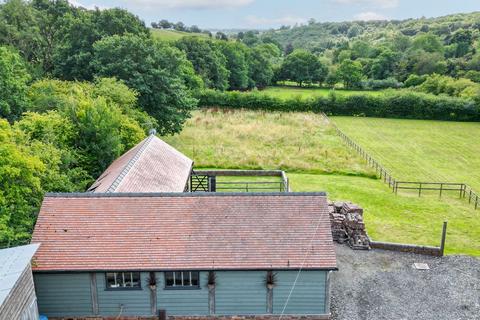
(464, 190)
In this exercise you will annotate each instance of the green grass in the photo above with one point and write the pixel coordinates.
(317, 160)
(418, 150)
(286, 92)
(401, 218)
(172, 35)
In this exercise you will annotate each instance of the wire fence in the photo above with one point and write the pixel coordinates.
(464, 190)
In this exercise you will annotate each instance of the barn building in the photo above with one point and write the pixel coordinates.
(136, 245)
(17, 293)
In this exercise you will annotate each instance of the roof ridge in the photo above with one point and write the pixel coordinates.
(129, 165)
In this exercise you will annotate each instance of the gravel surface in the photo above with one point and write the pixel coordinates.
(381, 284)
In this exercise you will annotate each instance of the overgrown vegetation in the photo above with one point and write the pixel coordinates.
(238, 139)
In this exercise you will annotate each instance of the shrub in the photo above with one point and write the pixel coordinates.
(390, 104)
(382, 84)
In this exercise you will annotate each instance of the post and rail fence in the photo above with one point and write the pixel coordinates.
(464, 190)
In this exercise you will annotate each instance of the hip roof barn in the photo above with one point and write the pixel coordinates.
(151, 166)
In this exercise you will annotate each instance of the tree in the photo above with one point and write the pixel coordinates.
(165, 24)
(221, 36)
(161, 75)
(429, 43)
(384, 65)
(20, 189)
(427, 63)
(179, 26)
(18, 28)
(13, 84)
(303, 67)
(207, 60)
(350, 73)
(81, 31)
(261, 63)
(237, 64)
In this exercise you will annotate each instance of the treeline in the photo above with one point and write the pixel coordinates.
(388, 104)
(379, 54)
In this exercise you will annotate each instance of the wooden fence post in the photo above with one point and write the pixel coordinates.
(444, 236)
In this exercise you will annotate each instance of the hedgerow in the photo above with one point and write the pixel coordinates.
(391, 104)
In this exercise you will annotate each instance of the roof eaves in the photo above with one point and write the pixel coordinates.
(180, 194)
(129, 165)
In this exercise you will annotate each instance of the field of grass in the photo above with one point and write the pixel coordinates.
(316, 160)
(417, 150)
(172, 35)
(285, 92)
(295, 142)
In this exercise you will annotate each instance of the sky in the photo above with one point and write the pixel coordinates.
(263, 14)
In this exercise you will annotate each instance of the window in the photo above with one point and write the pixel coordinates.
(182, 279)
(123, 280)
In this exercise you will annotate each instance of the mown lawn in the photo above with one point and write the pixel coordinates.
(316, 160)
(285, 92)
(420, 150)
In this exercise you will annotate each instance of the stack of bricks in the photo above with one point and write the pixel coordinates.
(347, 225)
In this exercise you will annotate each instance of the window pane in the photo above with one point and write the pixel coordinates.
(169, 279)
(111, 283)
(194, 279)
(186, 278)
(136, 279)
(178, 278)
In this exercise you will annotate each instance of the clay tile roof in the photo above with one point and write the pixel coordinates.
(183, 231)
(150, 166)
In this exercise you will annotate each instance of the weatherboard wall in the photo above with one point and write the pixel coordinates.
(236, 293)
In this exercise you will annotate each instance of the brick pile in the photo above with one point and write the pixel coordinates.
(347, 224)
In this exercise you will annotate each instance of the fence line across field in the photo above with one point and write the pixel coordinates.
(464, 190)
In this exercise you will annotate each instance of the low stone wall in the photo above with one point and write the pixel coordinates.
(252, 317)
(425, 250)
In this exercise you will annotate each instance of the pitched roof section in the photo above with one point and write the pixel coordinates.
(13, 262)
(184, 231)
(150, 166)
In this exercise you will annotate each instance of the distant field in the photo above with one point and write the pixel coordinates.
(307, 148)
(172, 35)
(285, 92)
(420, 150)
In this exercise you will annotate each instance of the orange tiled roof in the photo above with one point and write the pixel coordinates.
(150, 166)
(81, 232)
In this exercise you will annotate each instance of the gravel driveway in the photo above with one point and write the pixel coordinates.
(381, 284)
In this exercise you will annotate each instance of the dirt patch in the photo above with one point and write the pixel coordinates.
(379, 284)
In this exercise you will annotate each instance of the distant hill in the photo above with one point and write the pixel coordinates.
(320, 36)
(172, 35)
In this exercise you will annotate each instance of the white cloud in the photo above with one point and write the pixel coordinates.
(194, 4)
(366, 16)
(384, 4)
(255, 21)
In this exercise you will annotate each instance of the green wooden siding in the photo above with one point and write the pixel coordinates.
(308, 296)
(240, 293)
(63, 294)
(135, 302)
(236, 293)
(183, 301)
